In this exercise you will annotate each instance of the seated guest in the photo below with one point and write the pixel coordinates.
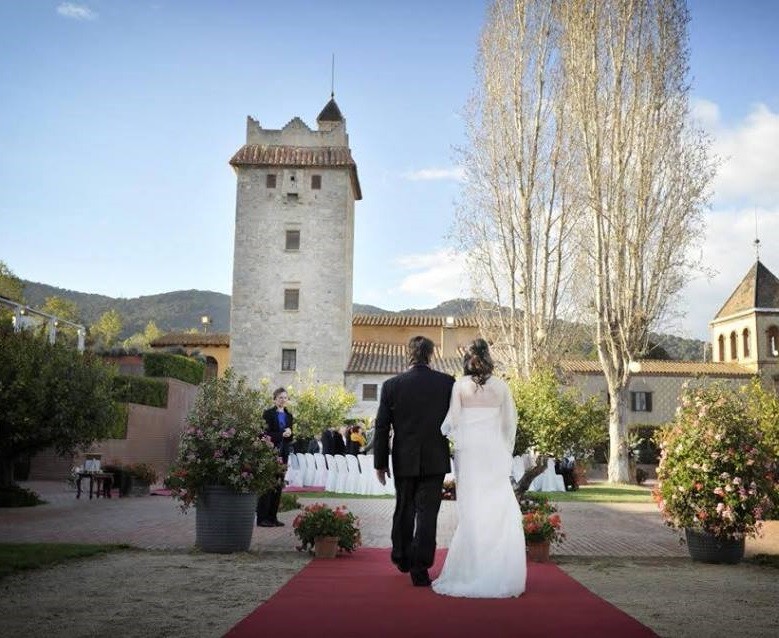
(339, 443)
(356, 440)
(315, 445)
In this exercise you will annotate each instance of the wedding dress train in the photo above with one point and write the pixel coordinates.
(486, 557)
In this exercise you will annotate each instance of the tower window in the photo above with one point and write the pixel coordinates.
(316, 182)
(270, 180)
(721, 342)
(745, 337)
(292, 240)
(733, 346)
(370, 391)
(641, 401)
(291, 299)
(289, 359)
(773, 341)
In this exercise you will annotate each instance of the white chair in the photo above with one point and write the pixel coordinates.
(310, 476)
(517, 468)
(303, 463)
(352, 485)
(320, 478)
(549, 480)
(331, 485)
(389, 488)
(343, 474)
(369, 484)
(294, 476)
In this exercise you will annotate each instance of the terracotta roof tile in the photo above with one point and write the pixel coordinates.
(299, 156)
(653, 367)
(422, 321)
(390, 358)
(190, 339)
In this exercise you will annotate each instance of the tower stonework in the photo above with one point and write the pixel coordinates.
(294, 244)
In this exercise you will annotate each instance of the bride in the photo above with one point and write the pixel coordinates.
(486, 557)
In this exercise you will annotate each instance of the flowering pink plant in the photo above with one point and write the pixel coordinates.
(540, 520)
(715, 475)
(322, 520)
(224, 443)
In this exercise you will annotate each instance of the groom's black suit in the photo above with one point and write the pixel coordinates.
(414, 404)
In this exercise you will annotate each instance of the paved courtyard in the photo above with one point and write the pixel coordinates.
(156, 522)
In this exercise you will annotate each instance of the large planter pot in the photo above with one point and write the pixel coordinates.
(224, 520)
(538, 551)
(325, 546)
(707, 548)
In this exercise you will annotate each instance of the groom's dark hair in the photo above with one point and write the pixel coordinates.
(420, 350)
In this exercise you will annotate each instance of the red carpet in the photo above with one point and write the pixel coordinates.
(364, 595)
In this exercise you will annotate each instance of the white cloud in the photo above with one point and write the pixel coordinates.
(436, 276)
(455, 173)
(76, 11)
(749, 174)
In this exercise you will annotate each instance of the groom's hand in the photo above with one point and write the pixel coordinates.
(382, 476)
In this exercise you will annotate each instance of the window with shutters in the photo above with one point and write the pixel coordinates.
(316, 182)
(641, 401)
(291, 299)
(292, 240)
(370, 391)
(289, 359)
(270, 180)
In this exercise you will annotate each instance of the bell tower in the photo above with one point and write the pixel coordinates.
(293, 258)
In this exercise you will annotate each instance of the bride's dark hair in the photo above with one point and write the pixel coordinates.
(477, 361)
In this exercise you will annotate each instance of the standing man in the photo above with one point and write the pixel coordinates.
(278, 426)
(414, 404)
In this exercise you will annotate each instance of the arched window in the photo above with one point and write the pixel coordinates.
(745, 338)
(773, 341)
(722, 347)
(733, 346)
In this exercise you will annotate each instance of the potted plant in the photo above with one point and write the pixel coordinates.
(142, 477)
(716, 476)
(224, 462)
(324, 530)
(542, 526)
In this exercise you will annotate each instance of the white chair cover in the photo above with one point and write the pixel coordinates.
(294, 476)
(517, 467)
(320, 478)
(309, 478)
(352, 485)
(389, 488)
(304, 472)
(548, 481)
(369, 484)
(331, 484)
(343, 474)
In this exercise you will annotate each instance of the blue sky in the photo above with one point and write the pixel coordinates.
(118, 118)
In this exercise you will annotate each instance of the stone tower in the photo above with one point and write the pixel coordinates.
(746, 329)
(294, 244)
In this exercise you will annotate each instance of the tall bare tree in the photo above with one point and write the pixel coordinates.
(516, 220)
(645, 173)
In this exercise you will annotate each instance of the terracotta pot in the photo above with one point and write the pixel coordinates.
(325, 546)
(538, 551)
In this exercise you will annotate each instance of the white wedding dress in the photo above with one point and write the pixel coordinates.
(486, 557)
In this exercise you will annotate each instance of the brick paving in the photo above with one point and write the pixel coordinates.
(156, 522)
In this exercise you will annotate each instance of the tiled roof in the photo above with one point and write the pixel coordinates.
(422, 321)
(758, 289)
(190, 339)
(390, 358)
(298, 156)
(669, 368)
(331, 113)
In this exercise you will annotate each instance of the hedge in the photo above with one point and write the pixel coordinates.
(134, 389)
(163, 364)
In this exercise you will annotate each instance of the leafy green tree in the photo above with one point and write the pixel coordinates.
(141, 340)
(61, 308)
(106, 329)
(51, 396)
(554, 421)
(11, 287)
(317, 406)
(764, 408)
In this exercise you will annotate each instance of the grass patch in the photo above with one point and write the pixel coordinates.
(602, 494)
(15, 557)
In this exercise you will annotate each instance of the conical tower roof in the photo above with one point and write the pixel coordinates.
(331, 112)
(758, 289)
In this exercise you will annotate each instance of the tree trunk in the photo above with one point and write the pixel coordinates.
(619, 469)
(527, 478)
(6, 472)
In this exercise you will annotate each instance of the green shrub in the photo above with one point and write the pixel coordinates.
(289, 502)
(163, 364)
(133, 389)
(119, 428)
(15, 496)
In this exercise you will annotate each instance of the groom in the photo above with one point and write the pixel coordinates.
(414, 404)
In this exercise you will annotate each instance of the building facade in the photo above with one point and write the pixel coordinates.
(293, 258)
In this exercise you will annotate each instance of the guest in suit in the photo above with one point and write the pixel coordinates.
(316, 446)
(278, 426)
(327, 441)
(413, 406)
(339, 443)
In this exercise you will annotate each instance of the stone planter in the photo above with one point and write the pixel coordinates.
(538, 551)
(707, 548)
(224, 520)
(325, 546)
